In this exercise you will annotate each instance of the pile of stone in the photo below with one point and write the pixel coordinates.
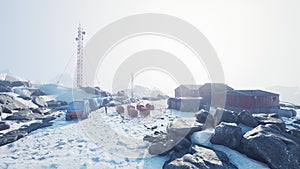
(15, 98)
(188, 145)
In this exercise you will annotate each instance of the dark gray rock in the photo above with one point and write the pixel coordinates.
(159, 137)
(161, 148)
(270, 119)
(6, 109)
(5, 83)
(228, 134)
(297, 121)
(4, 125)
(200, 157)
(227, 116)
(54, 104)
(8, 103)
(183, 126)
(246, 118)
(177, 154)
(162, 143)
(37, 92)
(12, 136)
(201, 116)
(267, 143)
(25, 97)
(20, 83)
(5, 89)
(24, 115)
(3, 140)
(47, 119)
(39, 101)
(94, 91)
(32, 127)
(182, 145)
(42, 111)
(295, 133)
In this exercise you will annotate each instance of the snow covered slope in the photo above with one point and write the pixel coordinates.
(63, 93)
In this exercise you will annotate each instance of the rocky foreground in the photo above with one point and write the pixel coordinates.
(23, 109)
(190, 142)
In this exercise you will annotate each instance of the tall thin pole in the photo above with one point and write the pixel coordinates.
(132, 85)
(79, 67)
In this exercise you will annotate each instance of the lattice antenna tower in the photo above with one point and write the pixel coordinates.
(79, 67)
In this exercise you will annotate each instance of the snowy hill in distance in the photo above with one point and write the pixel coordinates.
(7, 75)
(141, 91)
(63, 93)
(65, 79)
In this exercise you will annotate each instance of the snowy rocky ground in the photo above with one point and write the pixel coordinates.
(101, 141)
(108, 141)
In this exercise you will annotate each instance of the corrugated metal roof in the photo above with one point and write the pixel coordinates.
(253, 93)
(218, 86)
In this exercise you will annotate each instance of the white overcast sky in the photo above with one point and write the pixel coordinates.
(257, 41)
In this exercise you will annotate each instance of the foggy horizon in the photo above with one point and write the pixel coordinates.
(256, 41)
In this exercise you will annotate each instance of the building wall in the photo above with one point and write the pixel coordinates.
(252, 102)
(185, 92)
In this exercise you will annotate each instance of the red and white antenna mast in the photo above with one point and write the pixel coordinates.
(79, 67)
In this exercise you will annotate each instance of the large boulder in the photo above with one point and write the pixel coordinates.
(5, 89)
(227, 116)
(201, 157)
(56, 103)
(24, 115)
(270, 119)
(295, 132)
(39, 101)
(20, 83)
(228, 134)
(267, 143)
(246, 118)
(23, 92)
(161, 148)
(183, 126)
(297, 121)
(201, 116)
(40, 110)
(202, 137)
(4, 126)
(213, 118)
(37, 92)
(5, 83)
(34, 126)
(95, 91)
(155, 138)
(182, 145)
(9, 104)
(12, 136)
(162, 143)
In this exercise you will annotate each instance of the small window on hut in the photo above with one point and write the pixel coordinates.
(273, 99)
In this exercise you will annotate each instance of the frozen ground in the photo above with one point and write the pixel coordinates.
(101, 141)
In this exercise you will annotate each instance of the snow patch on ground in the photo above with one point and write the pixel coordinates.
(202, 137)
(240, 160)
